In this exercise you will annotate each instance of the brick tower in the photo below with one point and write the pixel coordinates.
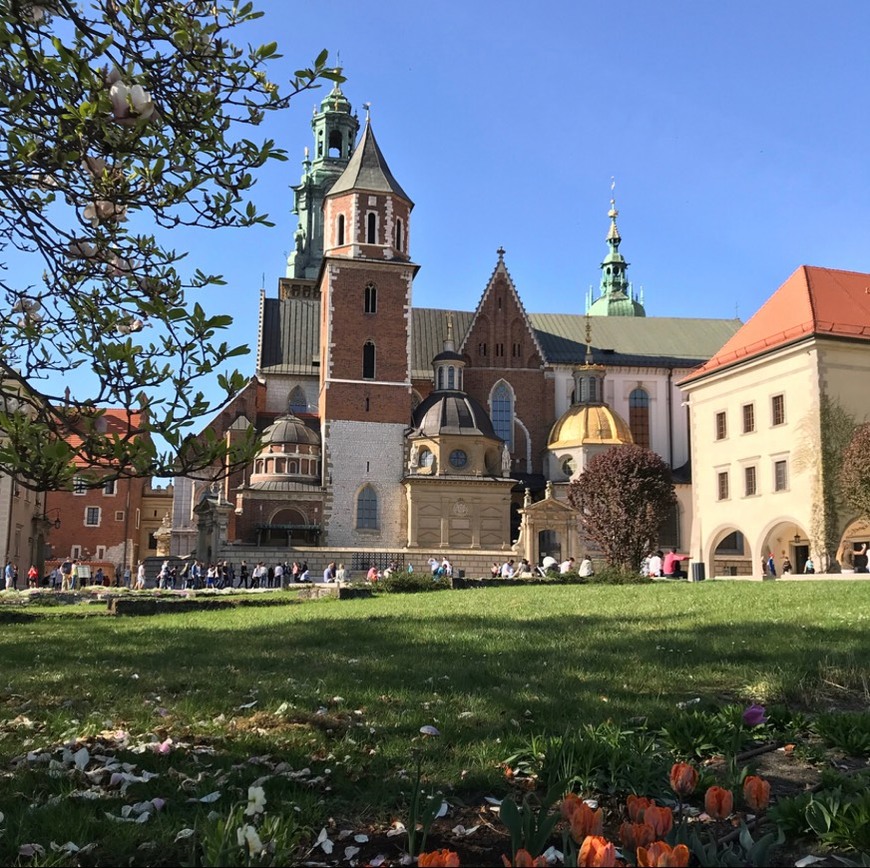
(365, 362)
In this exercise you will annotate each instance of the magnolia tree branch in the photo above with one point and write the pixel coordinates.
(122, 121)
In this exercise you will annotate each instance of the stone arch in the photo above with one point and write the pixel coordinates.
(729, 553)
(779, 537)
(856, 534)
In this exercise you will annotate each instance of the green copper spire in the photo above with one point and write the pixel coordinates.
(335, 130)
(616, 298)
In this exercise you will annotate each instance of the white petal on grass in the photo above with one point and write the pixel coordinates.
(350, 852)
(493, 801)
(323, 841)
(246, 705)
(81, 758)
(361, 839)
(211, 797)
(442, 811)
(397, 829)
(184, 834)
(428, 729)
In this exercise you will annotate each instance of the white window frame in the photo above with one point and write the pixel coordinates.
(79, 485)
(785, 486)
(99, 516)
(114, 486)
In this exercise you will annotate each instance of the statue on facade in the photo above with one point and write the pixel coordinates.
(505, 461)
(415, 453)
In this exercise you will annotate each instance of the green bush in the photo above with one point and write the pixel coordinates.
(410, 583)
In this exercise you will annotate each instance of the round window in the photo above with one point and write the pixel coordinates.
(568, 466)
(458, 458)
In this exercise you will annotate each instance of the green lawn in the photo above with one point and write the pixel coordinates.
(346, 686)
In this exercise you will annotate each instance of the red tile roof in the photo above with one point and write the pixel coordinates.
(813, 301)
(119, 422)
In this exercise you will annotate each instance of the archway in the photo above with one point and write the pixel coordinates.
(854, 547)
(787, 541)
(730, 553)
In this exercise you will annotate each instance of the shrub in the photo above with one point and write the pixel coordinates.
(410, 583)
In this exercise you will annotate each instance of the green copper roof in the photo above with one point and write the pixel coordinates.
(616, 305)
(368, 170)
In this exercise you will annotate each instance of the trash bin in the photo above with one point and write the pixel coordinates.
(698, 572)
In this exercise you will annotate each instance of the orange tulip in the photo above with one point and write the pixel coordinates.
(634, 835)
(756, 793)
(636, 806)
(584, 821)
(660, 855)
(596, 852)
(524, 859)
(438, 859)
(718, 802)
(569, 805)
(661, 819)
(684, 779)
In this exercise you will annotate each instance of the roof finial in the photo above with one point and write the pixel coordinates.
(589, 358)
(612, 213)
(500, 253)
(367, 106)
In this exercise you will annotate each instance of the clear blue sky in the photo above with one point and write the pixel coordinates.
(738, 134)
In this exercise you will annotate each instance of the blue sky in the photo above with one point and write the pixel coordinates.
(737, 133)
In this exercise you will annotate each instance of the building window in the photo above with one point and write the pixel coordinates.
(80, 486)
(152, 541)
(110, 487)
(723, 485)
(499, 349)
(750, 483)
(371, 299)
(748, 418)
(638, 417)
(400, 236)
(298, 402)
(92, 516)
(368, 361)
(340, 231)
(451, 377)
(367, 509)
(721, 426)
(501, 405)
(780, 475)
(481, 348)
(517, 350)
(101, 553)
(777, 409)
(119, 515)
(75, 552)
(371, 227)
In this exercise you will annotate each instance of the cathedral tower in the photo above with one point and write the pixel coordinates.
(335, 130)
(365, 360)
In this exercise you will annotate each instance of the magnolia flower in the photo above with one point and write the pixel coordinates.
(256, 801)
(103, 211)
(247, 835)
(81, 250)
(95, 166)
(130, 103)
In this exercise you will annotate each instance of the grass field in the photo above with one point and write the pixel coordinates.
(345, 687)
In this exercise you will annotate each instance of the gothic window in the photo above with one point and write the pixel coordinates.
(368, 361)
(371, 227)
(293, 467)
(298, 403)
(638, 417)
(502, 412)
(400, 236)
(481, 348)
(371, 299)
(340, 232)
(367, 509)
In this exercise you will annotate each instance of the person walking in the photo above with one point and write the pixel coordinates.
(140, 576)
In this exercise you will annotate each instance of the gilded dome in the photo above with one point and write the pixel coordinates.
(289, 429)
(586, 424)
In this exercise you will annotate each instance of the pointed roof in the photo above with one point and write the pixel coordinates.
(813, 301)
(368, 170)
(501, 269)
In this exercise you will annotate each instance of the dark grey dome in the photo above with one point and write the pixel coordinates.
(290, 429)
(451, 413)
(448, 356)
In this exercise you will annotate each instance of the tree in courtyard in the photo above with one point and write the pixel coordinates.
(121, 120)
(855, 472)
(623, 497)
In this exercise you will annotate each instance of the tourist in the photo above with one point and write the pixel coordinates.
(507, 569)
(861, 567)
(524, 569)
(304, 575)
(567, 566)
(341, 574)
(243, 574)
(585, 568)
(294, 571)
(495, 570)
(140, 576)
(9, 575)
(54, 578)
(279, 575)
(786, 566)
(99, 578)
(329, 572)
(372, 574)
(127, 576)
(671, 565)
(655, 564)
(771, 566)
(446, 568)
(809, 567)
(66, 574)
(259, 576)
(434, 566)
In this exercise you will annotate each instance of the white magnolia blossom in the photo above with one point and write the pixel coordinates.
(130, 103)
(103, 211)
(129, 326)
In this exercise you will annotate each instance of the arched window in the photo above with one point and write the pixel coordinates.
(638, 417)
(400, 236)
(451, 377)
(298, 402)
(340, 231)
(293, 466)
(334, 143)
(501, 405)
(371, 299)
(371, 227)
(367, 509)
(440, 379)
(368, 361)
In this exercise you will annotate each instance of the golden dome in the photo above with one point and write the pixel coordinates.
(585, 424)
